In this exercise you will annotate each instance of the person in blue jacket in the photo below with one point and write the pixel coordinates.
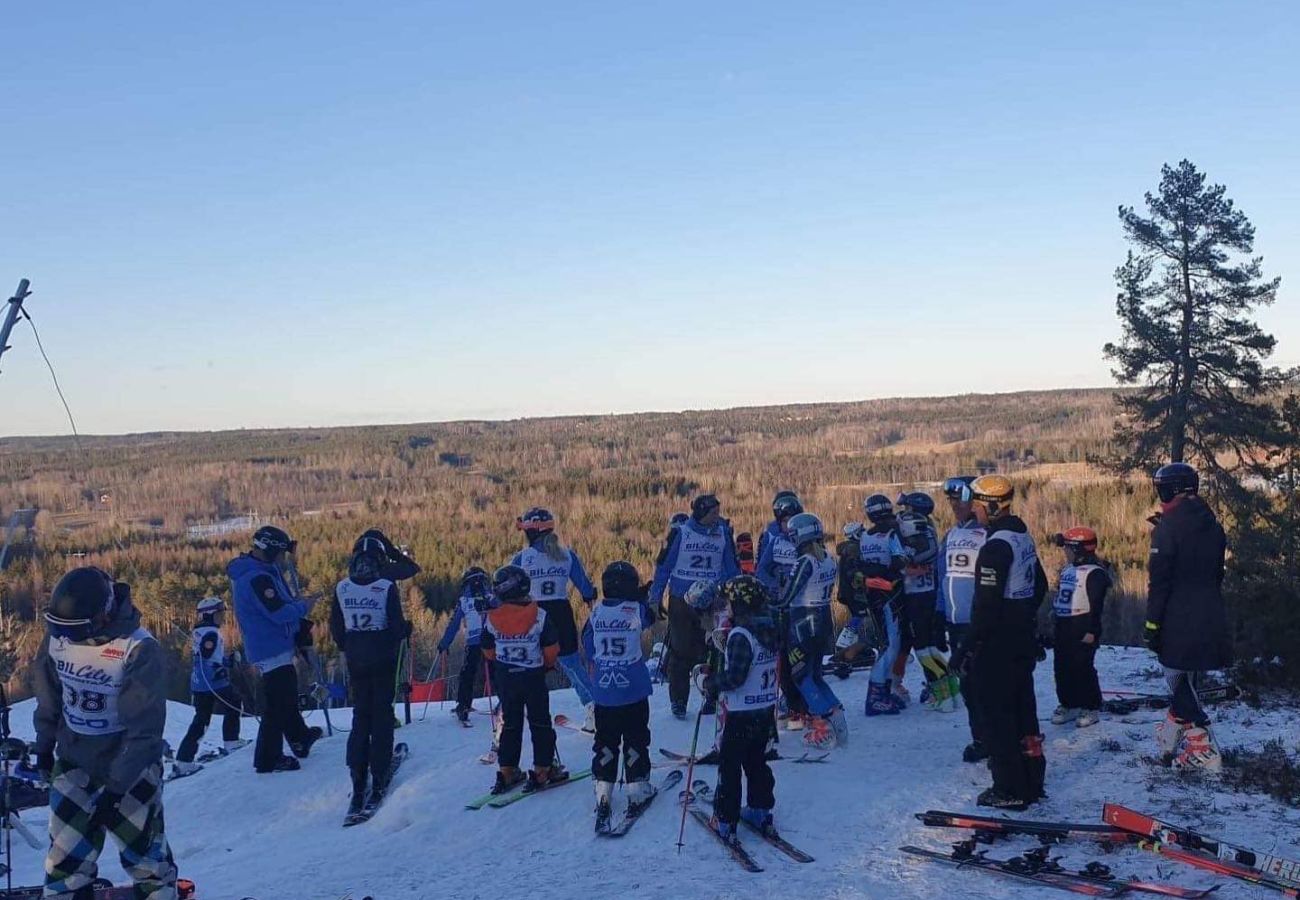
(621, 687)
(700, 549)
(472, 604)
(552, 568)
(776, 554)
(270, 616)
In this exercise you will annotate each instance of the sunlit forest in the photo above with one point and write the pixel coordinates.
(165, 512)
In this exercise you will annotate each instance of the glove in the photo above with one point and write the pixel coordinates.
(940, 627)
(45, 765)
(700, 677)
(1151, 636)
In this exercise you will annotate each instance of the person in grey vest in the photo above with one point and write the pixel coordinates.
(100, 711)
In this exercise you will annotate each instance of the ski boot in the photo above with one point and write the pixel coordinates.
(1199, 751)
(1035, 766)
(818, 734)
(839, 726)
(589, 720)
(302, 749)
(760, 819)
(1063, 714)
(724, 830)
(462, 715)
(899, 694)
(378, 791)
(284, 764)
(229, 747)
(1000, 800)
(181, 768)
(639, 795)
(974, 752)
(935, 696)
(358, 800)
(796, 722)
(1169, 734)
(927, 697)
(878, 703)
(1087, 718)
(679, 711)
(542, 777)
(604, 794)
(508, 778)
(954, 692)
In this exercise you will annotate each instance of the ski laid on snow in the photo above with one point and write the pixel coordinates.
(711, 758)
(1283, 870)
(625, 824)
(1039, 860)
(1058, 830)
(1014, 869)
(400, 752)
(515, 796)
(738, 852)
(1219, 867)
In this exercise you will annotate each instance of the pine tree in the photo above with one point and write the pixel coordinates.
(1186, 291)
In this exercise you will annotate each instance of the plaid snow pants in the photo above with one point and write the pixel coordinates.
(78, 825)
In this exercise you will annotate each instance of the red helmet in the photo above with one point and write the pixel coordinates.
(1080, 538)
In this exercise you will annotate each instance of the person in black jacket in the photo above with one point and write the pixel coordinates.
(1002, 646)
(367, 623)
(1077, 611)
(397, 566)
(1187, 623)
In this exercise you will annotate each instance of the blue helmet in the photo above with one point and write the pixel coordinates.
(786, 504)
(804, 528)
(958, 488)
(918, 502)
(878, 508)
(1176, 478)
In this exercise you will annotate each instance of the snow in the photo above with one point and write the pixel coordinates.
(279, 837)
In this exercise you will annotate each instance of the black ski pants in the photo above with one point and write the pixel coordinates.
(205, 702)
(626, 726)
(468, 675)
(281, 719)
(687, 647)
(523, 693)
(1009, 711)
(743, 749)
(370, 745)
(1073, 665)
(958, 634)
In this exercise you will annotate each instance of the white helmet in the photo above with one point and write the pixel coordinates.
(209, 605)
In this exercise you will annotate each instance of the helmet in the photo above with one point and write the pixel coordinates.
(536, 521)
(993, 492)
(367, 564)
(918, 502)
(958, 488)
(273, 541)
(744, 593)
(373, 539)
(474, 582)
(786, 504)
(702, 596)
(1078, 540)
(210, 606)
(1176, 478)
(878, 508)
(620, 580)
(804, 528)
(679, 518)
(78, 598)
(511, 583)
(702, 505)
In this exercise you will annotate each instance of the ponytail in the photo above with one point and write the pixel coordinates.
(552, 547)
(817, 550)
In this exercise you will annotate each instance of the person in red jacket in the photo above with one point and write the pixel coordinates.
(521, 643)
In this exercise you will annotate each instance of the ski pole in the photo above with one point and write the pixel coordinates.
(492, 713)
(428, 679)
(410, 677)
(404, 655)
(442, 704)
(690, 772)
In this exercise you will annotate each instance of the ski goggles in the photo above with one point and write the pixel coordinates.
(958, 489)
(70, 629)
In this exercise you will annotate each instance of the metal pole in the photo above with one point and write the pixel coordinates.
(11, 316)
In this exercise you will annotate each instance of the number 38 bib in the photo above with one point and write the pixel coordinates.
(91, 675)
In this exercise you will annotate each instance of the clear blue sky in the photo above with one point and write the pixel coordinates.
(266, 214)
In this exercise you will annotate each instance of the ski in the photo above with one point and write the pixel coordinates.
(1220, 867)
(630, 818)
(202, 761)
(810, 757)
(103, 890)
(400, 752)
(738, 852)
(1017, 869)
(1283, 870)
(711, 758)
(1039, 860)
(515, 796)
(563, 721)
(483, 801)
(704, 792)
(996, 825)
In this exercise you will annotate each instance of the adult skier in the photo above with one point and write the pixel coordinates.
(621, 687)
(520, 641)
(807, 629)
(700, 549)
(776, 553)
(926, 627)
(883, 559)
(270, 617)
(552, 567)
(210, 687)
(1002, 647)
(472, 604)
(1186, 620)
(747, 684)
(955, 574)
(368, 625)
(100, 707)
(1077, 611)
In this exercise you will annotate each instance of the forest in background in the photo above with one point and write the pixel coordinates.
(138, 505)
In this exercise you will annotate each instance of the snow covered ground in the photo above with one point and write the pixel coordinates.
(279, 837)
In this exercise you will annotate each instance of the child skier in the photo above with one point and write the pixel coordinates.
(1080, 599)
(807, 630)
(776, 553)
(926, 626)
(621, 688)
(368, 625)
(520, 640)
(471, 606)
(956, 576)
(883, 559)
(551, 567)
(210, 687)
(100, 709)
(747, 684)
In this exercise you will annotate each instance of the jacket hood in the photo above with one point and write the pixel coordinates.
(1008, 523)
(244, 563)
(126, 619)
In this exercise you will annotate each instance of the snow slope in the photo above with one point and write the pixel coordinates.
(278, 837)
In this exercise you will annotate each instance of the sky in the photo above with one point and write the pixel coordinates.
(249, 214)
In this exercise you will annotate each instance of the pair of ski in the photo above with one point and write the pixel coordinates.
(633, 814)
(517, 793)
(711, 758)
(1126, 826)
(202, 760)
(1122, 702)
(700, 792)
(372, 804)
